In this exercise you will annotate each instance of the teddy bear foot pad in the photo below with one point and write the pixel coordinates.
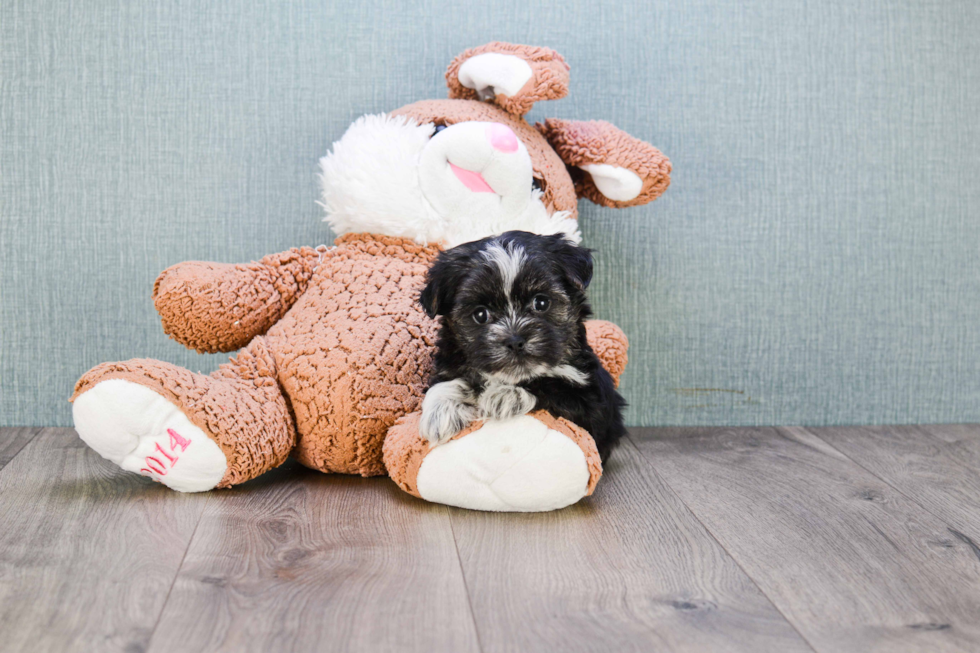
(140, 431)
(514, 465)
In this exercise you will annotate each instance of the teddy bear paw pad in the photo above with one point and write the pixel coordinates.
(140, 431)
(511, 465)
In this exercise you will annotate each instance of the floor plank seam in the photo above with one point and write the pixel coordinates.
(183, 558)
(37, 430)
(951, 527)
(711, 534)
(462, 574)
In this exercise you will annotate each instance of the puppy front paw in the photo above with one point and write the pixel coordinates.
(446, 410)
(500, 401)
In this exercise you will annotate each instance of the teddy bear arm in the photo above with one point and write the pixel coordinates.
(610, 344)
(513, 76)
(220, 307)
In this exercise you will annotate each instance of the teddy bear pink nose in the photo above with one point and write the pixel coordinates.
(502, 138)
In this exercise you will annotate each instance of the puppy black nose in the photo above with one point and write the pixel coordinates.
(515, 343)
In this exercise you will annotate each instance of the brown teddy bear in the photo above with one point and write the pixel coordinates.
(335, 349)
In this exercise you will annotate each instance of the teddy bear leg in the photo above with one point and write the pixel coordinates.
(189, 431)
(530, 463)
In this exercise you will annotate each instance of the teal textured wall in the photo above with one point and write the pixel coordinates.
(815, 260)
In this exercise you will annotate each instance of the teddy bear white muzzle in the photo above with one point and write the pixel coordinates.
(476, 169)
(448, 184)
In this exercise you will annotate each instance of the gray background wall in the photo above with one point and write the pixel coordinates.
(814, 261)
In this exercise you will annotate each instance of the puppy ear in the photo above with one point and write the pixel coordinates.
(610, 167)
(436, 296)
(579, 266)
(444, 277)
(575, 261)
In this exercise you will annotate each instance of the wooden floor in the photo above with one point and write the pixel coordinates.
(788, 539)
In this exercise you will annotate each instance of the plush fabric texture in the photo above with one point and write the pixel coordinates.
(214, 307)
(405, 449)
(556, 183)
(137, 429)
(596, 141)
(336, 347)
(239, 406)
(352, 356)
(580, 437)
(610, 344)
(354, 352)
(549, 80)
(517, 464)
(423, 198)
(349, 359)
(493, 73)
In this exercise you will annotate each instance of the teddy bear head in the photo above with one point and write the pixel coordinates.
(459, 169)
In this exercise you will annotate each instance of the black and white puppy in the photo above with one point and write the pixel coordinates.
(513, 339)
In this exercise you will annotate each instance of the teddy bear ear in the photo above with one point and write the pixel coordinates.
(512, 76)
(609, 166)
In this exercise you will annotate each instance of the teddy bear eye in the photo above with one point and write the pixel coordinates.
(481, 315)
(541, 303)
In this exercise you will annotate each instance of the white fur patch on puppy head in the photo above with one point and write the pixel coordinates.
(508, 262)
(391, 176)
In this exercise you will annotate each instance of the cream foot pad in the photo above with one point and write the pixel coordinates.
(526, 464)
(139, 430)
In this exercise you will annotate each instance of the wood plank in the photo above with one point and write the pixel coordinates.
(938, 467)
(87, 552)
(628, 569)
(961, 441)
(297, 560)
(12, 440)
(851, 562)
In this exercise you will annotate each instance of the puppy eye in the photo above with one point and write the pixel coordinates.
(481, 315)
(535, 183)
(541, 303)
(439, 128)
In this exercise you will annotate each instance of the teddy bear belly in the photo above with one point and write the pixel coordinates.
(353, 356)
